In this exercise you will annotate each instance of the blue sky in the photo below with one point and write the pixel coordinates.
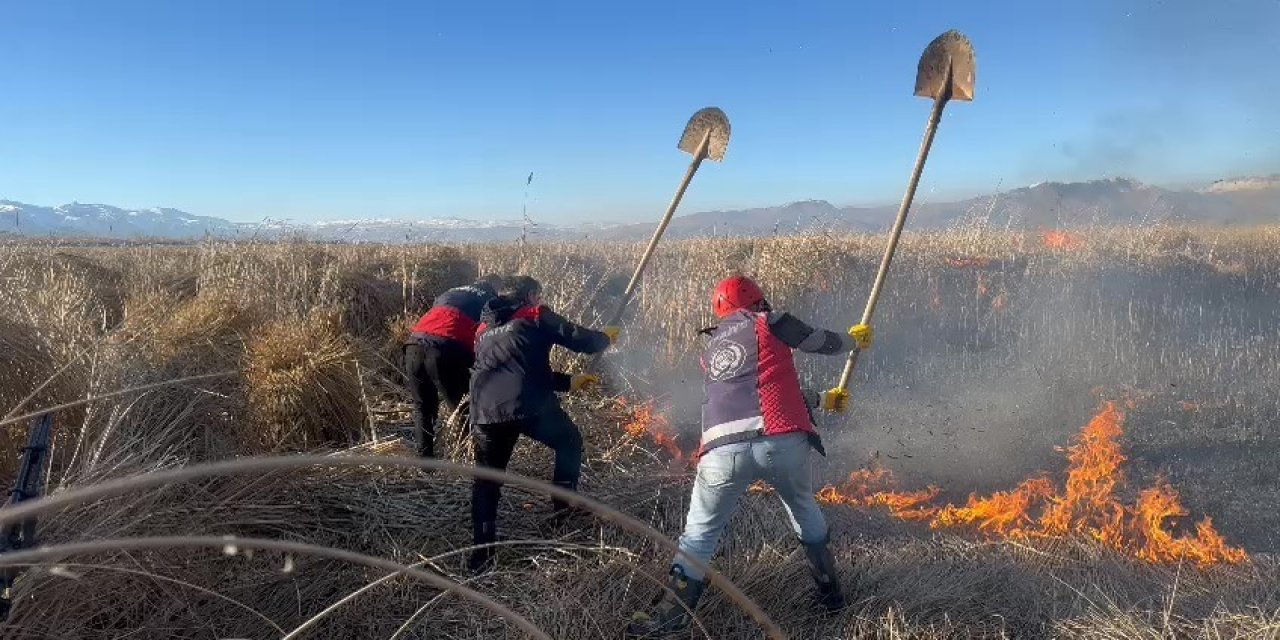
(323, 110)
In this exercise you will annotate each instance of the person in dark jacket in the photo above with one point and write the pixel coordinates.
(513, 393)
(756, 425)
(438, 355)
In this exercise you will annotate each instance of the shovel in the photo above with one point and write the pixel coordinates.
(946, 72)
(706, 136)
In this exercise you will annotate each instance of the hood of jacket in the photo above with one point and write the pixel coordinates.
(503, 309)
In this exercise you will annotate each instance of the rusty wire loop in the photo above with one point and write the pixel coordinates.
(275, 463)
(286, 546)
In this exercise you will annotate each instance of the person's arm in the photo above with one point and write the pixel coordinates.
(571, 336)
(796, 334)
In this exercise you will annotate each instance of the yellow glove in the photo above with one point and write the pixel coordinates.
(613, 332)
(862, 334)
(835, 400)
(582, 381)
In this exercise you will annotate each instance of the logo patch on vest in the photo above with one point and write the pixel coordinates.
(726, 361)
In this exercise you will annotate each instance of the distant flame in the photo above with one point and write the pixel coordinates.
(1064, 240)
(1086, 506)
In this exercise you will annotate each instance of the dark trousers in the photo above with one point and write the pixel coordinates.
(435, 371)
(494, 445)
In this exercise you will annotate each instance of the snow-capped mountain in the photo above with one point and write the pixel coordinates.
(430, 230)
(1113, 201)
(106, 221)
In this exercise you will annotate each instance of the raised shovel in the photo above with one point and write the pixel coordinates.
(706, 136)
(946, 72)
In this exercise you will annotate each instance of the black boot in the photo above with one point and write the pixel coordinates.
(823, 567)
(482, 557)
(672, 610)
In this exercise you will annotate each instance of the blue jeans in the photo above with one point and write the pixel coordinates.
(726, 472)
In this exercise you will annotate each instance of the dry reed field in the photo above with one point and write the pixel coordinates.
(1058, 435)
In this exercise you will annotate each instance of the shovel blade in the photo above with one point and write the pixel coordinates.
(710, 119)
(947, 68)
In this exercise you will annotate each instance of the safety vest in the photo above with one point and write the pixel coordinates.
(751, 384)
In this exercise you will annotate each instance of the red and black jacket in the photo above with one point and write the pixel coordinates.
(512, 377)
(454, 316)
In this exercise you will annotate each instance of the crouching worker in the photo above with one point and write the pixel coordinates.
(438, 355)
(513, 393)
(756, 425)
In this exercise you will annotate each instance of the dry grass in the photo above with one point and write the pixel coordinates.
(30, 378)
(979, 331)
(206, 330)
(304, 387)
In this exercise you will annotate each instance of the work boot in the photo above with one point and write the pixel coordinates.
(481, 560)
(672, 608)
(823, 568)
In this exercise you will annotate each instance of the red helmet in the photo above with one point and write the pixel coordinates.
(737, 292)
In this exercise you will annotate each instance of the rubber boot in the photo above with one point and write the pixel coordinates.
(482, 558)
(823, 568)
(672, 610)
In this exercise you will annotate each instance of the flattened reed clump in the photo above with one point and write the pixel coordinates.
(303, 384)
(206, 331)
(367, 300)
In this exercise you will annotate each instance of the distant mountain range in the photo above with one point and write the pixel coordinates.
(103, 221)
(1115, 201)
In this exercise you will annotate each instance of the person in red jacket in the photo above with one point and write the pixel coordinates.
(438, 356)
(756, 425)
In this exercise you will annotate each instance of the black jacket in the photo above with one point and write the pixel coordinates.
(512, 377)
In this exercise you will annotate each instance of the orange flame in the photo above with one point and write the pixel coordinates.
(1004, 512)
(872, 488)
(1160, 503)
(646, 421)
(1087, 505)
(1064, 240)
